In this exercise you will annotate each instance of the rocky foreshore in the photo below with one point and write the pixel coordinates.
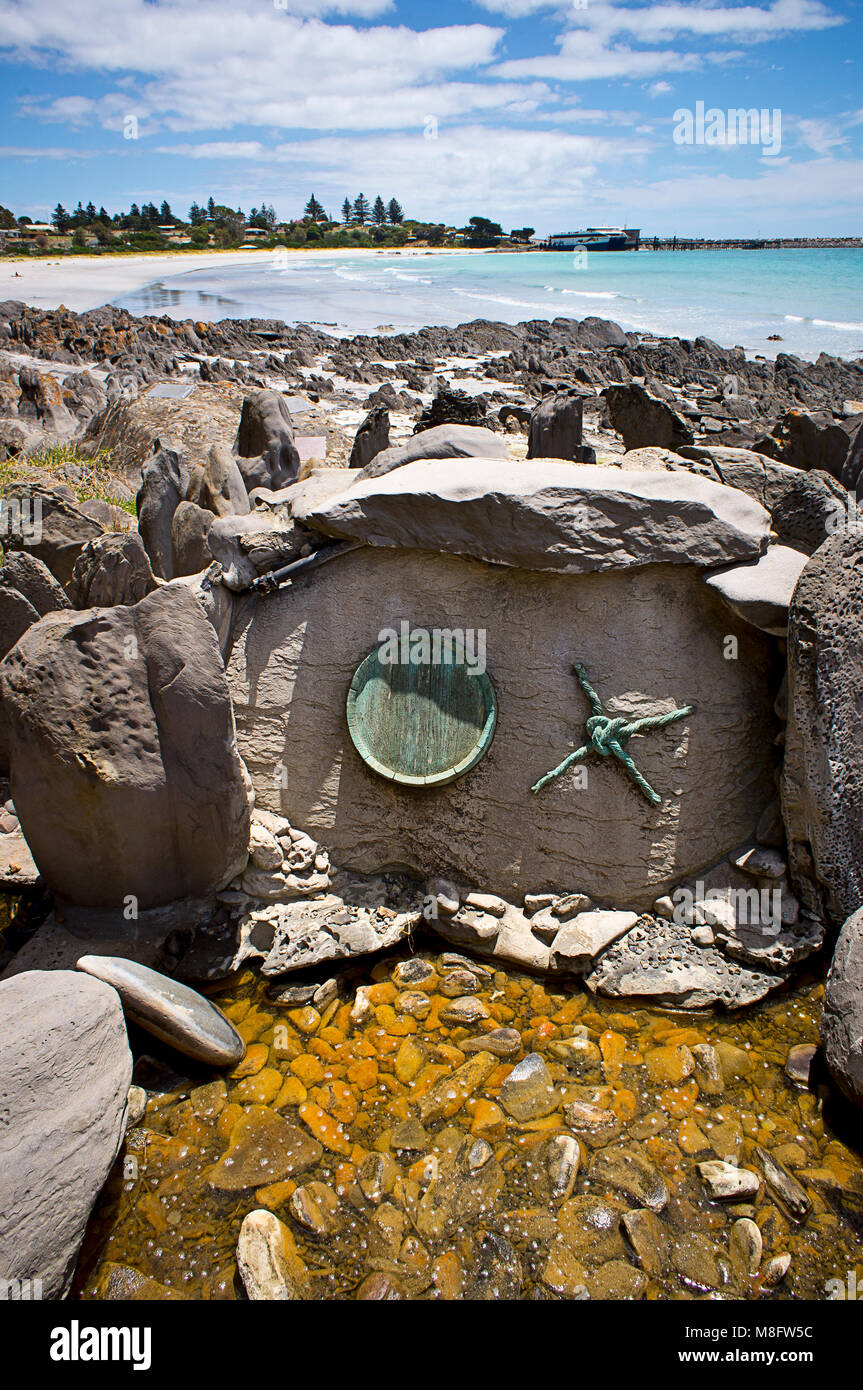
(650, 539)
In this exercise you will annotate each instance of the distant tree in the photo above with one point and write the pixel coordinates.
(78, 241)
(481, 232)
(200, 234)
(211, 207)
(436, 235)
(90, 212)
(25, 221)
(196, 215)
(313, 210)
(165, 213)
(361, 209)
(522, 233)
(394, 212)
(61, 219)
(347, 211)
(7, 219)
(103, 216)
(379, 211)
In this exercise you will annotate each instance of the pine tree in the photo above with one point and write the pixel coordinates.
(211, 206)
(165, 212)
(91, 211)
(394, 212)
(60, 218)
(361, 209)
(313, 210)
(379, 211)
(347, 211)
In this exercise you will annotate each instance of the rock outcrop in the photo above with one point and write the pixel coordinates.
(822, 784)
(439, 442)
(123, 763)
(842, 1019)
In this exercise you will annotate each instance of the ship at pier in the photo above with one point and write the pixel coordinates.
(596, 239)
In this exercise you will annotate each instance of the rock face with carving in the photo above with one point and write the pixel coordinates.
(516, 572)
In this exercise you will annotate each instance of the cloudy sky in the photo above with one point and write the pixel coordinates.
(529, 111)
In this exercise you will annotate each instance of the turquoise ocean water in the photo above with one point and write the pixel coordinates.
(813, 299)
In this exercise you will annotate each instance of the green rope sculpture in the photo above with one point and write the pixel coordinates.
(610, 736)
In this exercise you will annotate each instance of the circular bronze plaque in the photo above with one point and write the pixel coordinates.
(420, 724)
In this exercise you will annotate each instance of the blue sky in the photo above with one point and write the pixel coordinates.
(553, 115)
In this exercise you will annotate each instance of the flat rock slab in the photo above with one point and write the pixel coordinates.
(657, 960)
(290, 936)
(563, 517)
(650, 639)
(761, 591)
(65, 1070)
(580, 941)
(172, 1012)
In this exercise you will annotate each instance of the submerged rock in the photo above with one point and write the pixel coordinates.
(528, 1091)
(172, 1012)
(267, 1259)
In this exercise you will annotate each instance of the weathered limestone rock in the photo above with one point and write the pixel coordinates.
(172, 1012)
(32, 578)
(651, 639)
(372, 437)
(124, 766)
(112, 569)
(439, 442)
(268, 456)
(552, 516)
(190, 553)
(556, 425)
(643, 419)
(761, 590)
(46, 522)
(164, 483)
(65, 1070)
(576, 946)
(221, 489)
(16, 615)
(822, 783)
(842, 1019)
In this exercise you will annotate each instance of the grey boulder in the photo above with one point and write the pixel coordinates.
(268, 456)
(372, 437)
(842, 1017)
(123, 761)
(45, 522)
(220, 487)
(760, 591)
(190, 553)
(554, 516)
(172, 1012)
(642, 419)
(822, 783)
(555, 426)
(164, 483)
(439, 442)
(246, 546)
(65, 1070)
(112, 569)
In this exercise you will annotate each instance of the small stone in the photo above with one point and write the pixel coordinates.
(267, 1259)
(315, 1207)
(628, 1171)
(325, 994)
(670, 1065)
(463, 1012)
(487, 902)
(265, 850)
(535, 902)
(570, 906)
(702, 936)
(745, 1245)
(708, 1071)
(599, 1126)
(580, 1054)
(445, 894)
(497, 1273)
(413, 972)
(591, 1228)
(263, 1149)
(136, 1102)
(649, 1240)
(448, 1095)
(581, 940)
(459, 982)
(503, 1042)
(361, 1008)
(694, 1260)
(563, 1157)
(727, 1183)
(783, 1186)
(761, 862)
(414, 1004)
(379, 1287)
(409, 1137)
(563, 1273)
(664, 908)
(291, 996)
(798, 1063)
(528, 1092)
(616, 1280)
(775, 1270)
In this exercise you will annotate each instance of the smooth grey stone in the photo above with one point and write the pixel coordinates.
(170, 1011)
(760, 592)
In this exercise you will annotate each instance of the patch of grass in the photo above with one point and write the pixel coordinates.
(89, 476)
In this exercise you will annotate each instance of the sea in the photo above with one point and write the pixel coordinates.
(796, 301)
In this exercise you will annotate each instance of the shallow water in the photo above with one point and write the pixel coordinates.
(416, 1208)
(813, 299)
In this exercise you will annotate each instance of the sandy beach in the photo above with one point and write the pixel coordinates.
(85, 282)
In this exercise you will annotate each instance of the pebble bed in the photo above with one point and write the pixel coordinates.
(384, 1124)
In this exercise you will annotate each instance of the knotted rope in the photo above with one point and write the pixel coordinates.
(609, 737)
